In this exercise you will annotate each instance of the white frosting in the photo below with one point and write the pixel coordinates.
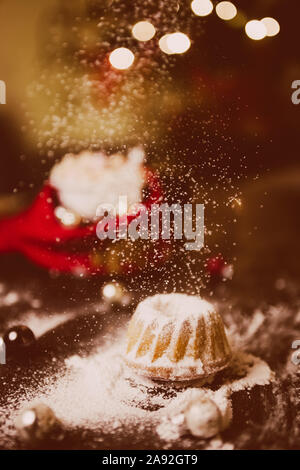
(172, 306)
(88, 180)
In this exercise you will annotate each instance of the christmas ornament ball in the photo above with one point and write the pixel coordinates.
(18, 338)
(203, 418)
(36, 423)
(116, 293)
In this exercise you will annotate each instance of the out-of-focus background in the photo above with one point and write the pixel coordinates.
(217, 120)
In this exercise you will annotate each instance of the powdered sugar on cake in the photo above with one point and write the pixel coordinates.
(177, 337)
(175, 305)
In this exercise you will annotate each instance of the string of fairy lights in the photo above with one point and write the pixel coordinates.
(177, 42)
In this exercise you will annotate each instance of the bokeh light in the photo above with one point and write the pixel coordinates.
(178, 43)
(226, 10)
(28, 417)
(163, 45)
(66, 217)
(143, 31)
(12, 336)
(109, 290)
(255, 30)
(202, 7)
(271, 25)
(175, 43)
(121, 58)
(113, 292)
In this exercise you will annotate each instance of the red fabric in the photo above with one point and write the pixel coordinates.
(215, 265)
(38, 234)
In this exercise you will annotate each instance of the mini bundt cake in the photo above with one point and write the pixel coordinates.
(176, 337)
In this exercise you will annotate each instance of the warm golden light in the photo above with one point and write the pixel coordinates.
(67, 218)
(143, 31)
(28, 417)
(121, 58)
(226, 10)
(239, 20)
(202, 7)
(175, 43)
(178, 43)
(12, 336)
(271, 25)
(163, 44)
(255, 30)
(114, 292)
(109, 290)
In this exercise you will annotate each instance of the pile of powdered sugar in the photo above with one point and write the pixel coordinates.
(92, 392)
(99, 392)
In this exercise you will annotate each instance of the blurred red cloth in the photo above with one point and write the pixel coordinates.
(40, 236)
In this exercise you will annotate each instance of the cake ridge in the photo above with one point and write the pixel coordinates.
(177, 336)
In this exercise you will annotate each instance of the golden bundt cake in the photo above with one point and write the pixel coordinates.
(176, 337)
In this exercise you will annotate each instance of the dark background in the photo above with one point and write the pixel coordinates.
(234, 128)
